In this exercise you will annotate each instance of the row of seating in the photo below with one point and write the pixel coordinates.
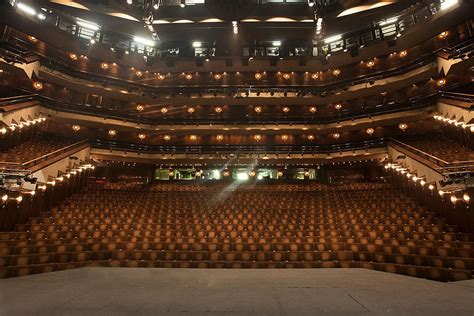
(31, 150)
(266, 226)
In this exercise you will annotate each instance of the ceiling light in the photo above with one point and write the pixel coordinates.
(197, 44)
(311, 3)
(257, 137)
(276, 43)
(332, 39)
(443, 35)
(88, 25)
(183, 3)
(38, 85)
(129, 1)
(25, 8)
(143, 41)
(441, 82)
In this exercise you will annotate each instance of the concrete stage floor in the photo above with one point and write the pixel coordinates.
(140, 291)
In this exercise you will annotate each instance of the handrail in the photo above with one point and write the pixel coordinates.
(35, 161)
(434, 159)
(443, 165)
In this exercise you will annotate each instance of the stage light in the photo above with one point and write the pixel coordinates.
(26, 9)
(88, 25)
(332, 39)
(446, 4)
(143, 41)
(235, 27)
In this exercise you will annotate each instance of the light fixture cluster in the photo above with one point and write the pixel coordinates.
(422, 181)
(43, 186)
(19, 126)
(453, 122)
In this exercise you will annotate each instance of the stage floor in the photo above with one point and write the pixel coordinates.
(141, 291)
